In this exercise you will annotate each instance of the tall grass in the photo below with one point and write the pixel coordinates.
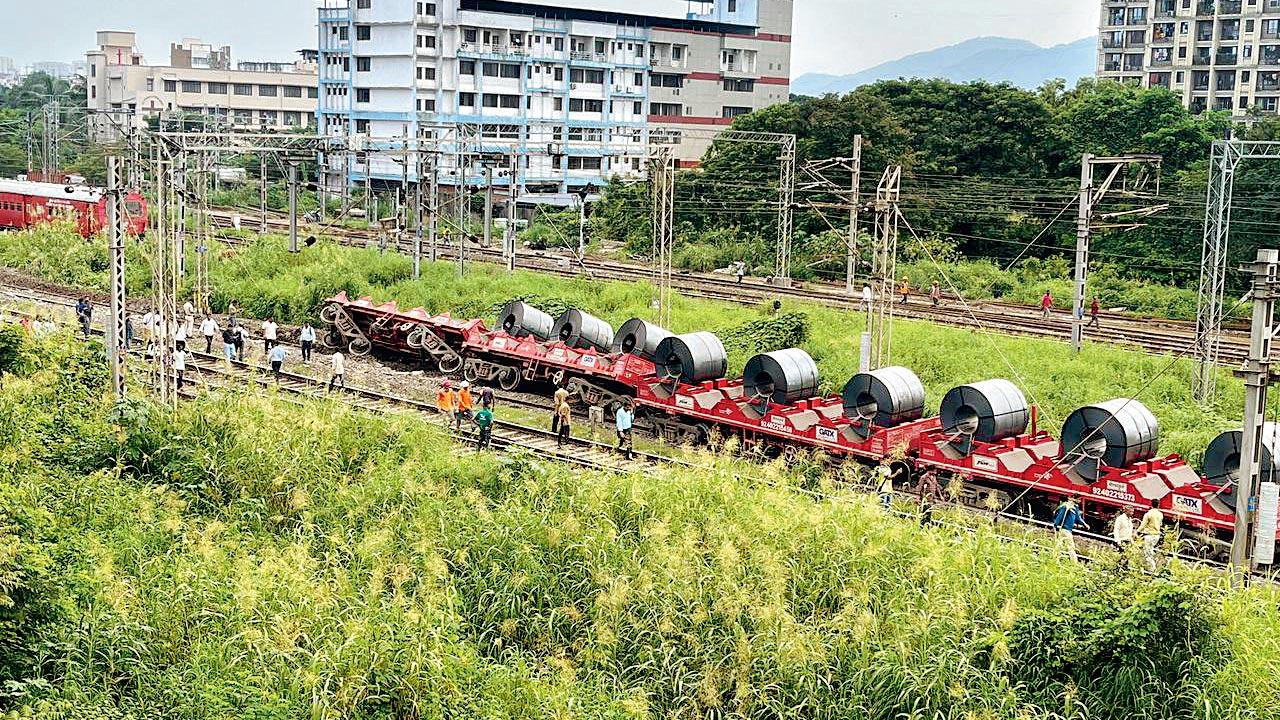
(244, 557)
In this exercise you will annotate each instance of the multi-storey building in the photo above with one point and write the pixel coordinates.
(1215, 54)
(573, 94)
(199, 79)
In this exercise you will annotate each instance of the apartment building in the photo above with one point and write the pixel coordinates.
(199, 79)
(1214, 54)
(574, 94)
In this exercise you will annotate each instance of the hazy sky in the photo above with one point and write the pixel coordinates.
(839, 36)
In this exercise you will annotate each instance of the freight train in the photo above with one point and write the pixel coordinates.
(986, 435)
(24, 204)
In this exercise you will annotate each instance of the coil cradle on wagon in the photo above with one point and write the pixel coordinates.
(692, 358)
(782, 377)
(1116, 433)
(520, 319)
(987, 412)
(582, 331)
(1222, 460)
(639, 337)
(884, 397)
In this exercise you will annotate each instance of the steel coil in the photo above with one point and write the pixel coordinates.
(582, 331)
(520, 319)
(637, 337)
(886, 397)
(782, 376)
(693, 358)
(1116, 433)
(1222, 459)
(987, 411)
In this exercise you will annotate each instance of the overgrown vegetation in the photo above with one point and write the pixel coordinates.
(248, 557)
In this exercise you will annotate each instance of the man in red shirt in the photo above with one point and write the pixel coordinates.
(1046, 304)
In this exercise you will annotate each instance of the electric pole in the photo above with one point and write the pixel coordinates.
(851, 255)
(1257, 378)
(262, 189)
(884, 267)
(488, 204)
(293, 207)
(117, 224)
(509, 237)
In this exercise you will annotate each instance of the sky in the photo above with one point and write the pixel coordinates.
(830, 36)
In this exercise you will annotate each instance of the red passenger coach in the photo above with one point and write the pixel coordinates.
(25, 204)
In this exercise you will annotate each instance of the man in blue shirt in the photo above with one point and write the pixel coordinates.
(1065, 521)
(623, 420)
(277, 361)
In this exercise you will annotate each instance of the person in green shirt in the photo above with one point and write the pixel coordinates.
(484, 421)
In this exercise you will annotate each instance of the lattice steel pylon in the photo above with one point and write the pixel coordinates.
(786, 201)
(662, 177)
(117, 229)
(884, 266)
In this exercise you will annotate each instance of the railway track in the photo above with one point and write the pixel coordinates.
(214, 371)
(1154, 335)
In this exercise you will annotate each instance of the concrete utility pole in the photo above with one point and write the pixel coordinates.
(1257, 377)
(117, 228)
(293, 207)
(1091, 196)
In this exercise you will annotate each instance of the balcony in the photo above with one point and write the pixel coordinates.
(1138, 18)
(1225, 84)
(1161, 62)
(1111, 67)
(1132, 67)
(1222, 58)
(1111, 43)
(1269, 82)
(1270, 56)
(1205, 7)
(1201, 60)
(1229, 7)
(1270, 34)
(1166, 11)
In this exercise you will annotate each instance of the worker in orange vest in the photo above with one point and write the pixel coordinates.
(446, 400)
(462, 408)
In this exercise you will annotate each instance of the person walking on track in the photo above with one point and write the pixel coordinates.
(209, 329)
(189, 317)
(484, 421)
(180, 365)
(885, 488)
(229, 343)
(276, 357)
(269, 329)
(339, 364)
(561, 396)
(84, 313)
(1046, 304)
(1065, 521)
(623, 420)
(935, 294)
(1094, 310)
(308, 338)
(447, 401)
(865, 305)
(564, 416)
(463, 409)
(905, 290)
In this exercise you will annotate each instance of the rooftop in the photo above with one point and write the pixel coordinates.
(561, 12)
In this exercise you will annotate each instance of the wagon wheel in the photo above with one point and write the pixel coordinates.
(360, 347)
(332, 340)
(329, 313)
(450, 364)
(414, 338)
(470, 373)
(693, 435)
(509, 379)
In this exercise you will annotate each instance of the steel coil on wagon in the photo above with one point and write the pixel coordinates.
(886, 397)
(1222, 460)
(692, 358)
(782, 376)
(520, 319)
(986, 411)
(638, 337)
(582, 331)
(1116, 433)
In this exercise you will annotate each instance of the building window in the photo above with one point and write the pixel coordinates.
(244, 89)
(666, 80)
(313, 92)
(217, 88)
(677, 52)
(171, 86)
(364, 32)
(639, 80)
(190, 86)
(362, 95)
(426, 41)
(584, 163)
(730, 111)
(427, 105)
(637, 107)
(591, 77)
(509, 102)
(601, 47)
(364, 4)
(558, 104)
(93, 91)
(559, 74)
(469, 35)
(426, 73)
(585, 105)
(733, 5)
(292, 119)
(268, 90)
(362, 127)
(490, 69)
(466, 67)
(151, 84)
(666, 109)
(93, 70)
(559, 44)
(268, 117)
(427, 8)
(364, 64)
(292, 91)
(749, 85)
(467, 99)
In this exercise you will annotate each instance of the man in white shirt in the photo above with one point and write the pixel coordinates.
(208, 328)
(269, 329)
(180, 365)
(189, 313)
(308, 338)
(865, 305)
(149, 327)
(1122, 530)
(180, 335)
(339, 365)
